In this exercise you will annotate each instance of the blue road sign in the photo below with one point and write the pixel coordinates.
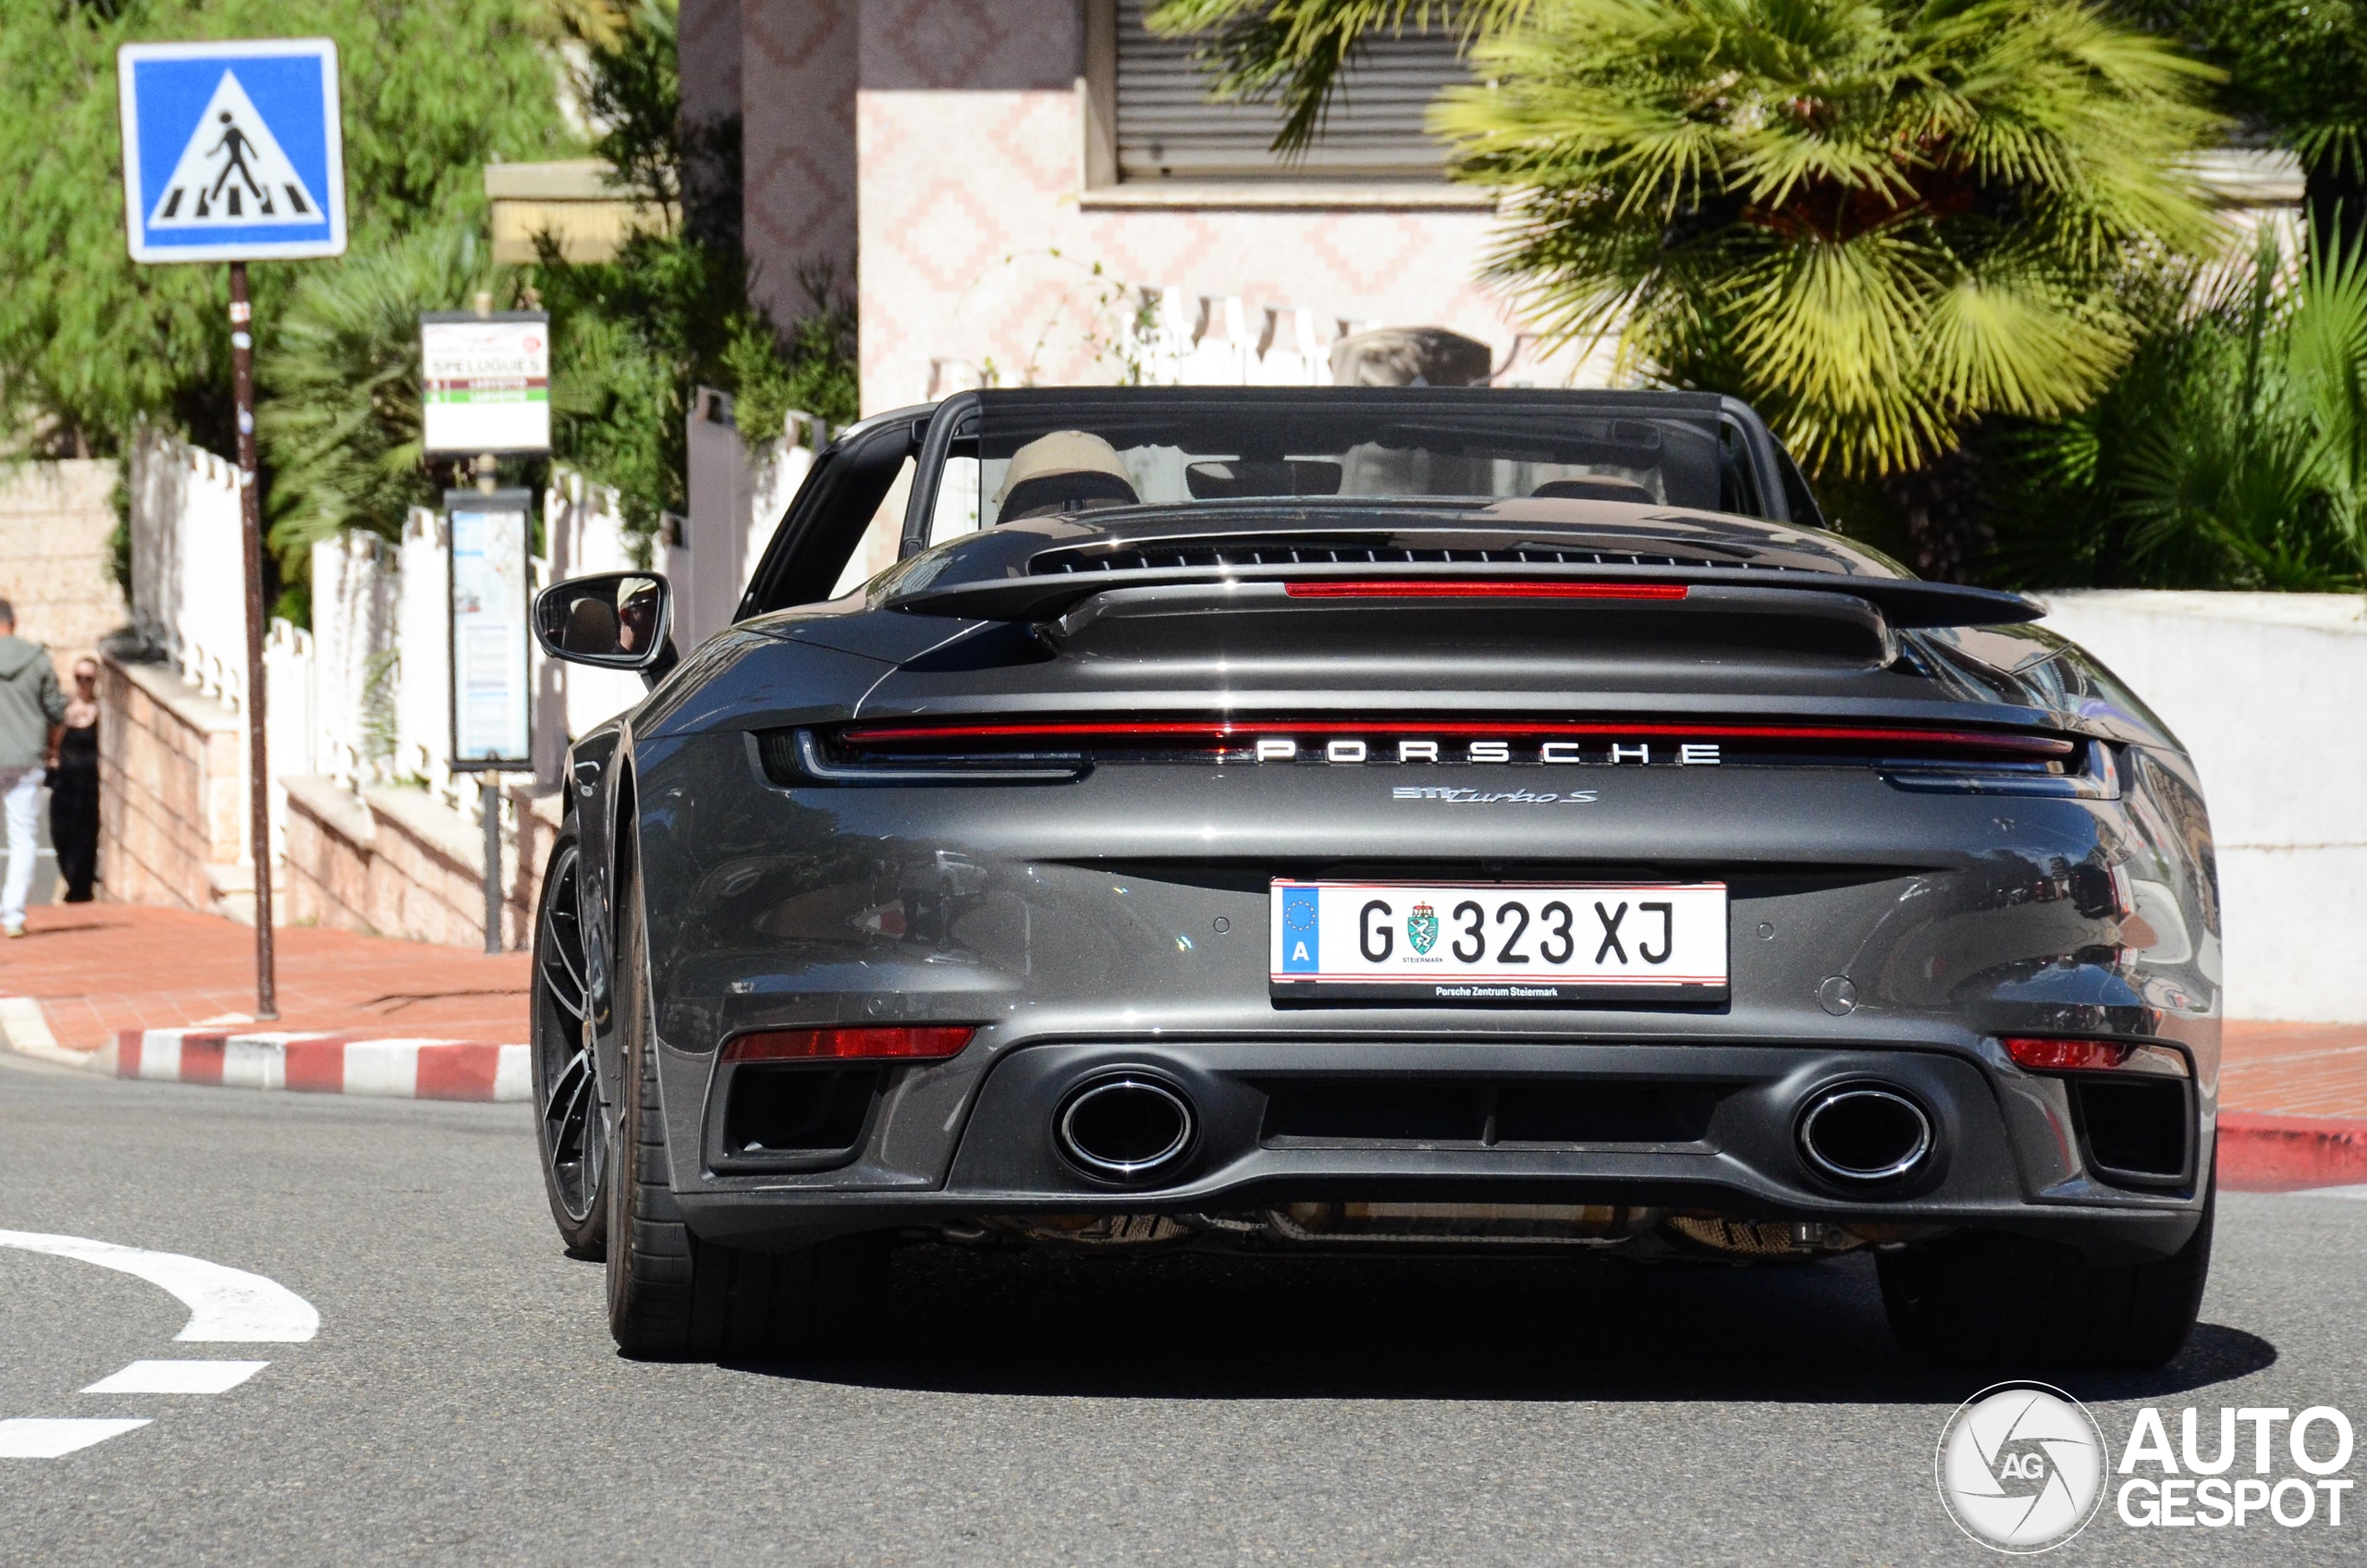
(232, 151)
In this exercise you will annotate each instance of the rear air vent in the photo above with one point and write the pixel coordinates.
(801, 1116)
(2136, 1127)
(1482, 1112)
(1319, 550)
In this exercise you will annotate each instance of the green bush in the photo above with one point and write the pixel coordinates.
(2230, 454)
(632, 338)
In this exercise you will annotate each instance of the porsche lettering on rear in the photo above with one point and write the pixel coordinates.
(1419, 749)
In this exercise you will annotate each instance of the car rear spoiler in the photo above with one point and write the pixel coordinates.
(1903, 602)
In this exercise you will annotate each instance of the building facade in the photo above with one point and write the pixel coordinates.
(999, 182)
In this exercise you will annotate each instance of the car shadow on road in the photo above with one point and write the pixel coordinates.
(1210, 1326)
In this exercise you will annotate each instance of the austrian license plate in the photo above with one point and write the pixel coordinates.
(1483, 943)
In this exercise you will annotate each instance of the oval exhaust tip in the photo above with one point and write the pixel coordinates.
(1124, 1127)
(1864, 1134)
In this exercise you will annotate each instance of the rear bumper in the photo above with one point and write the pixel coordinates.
(1281, 1121)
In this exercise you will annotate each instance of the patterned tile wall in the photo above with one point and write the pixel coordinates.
(797, 90)
(975, 250)
(706, 34)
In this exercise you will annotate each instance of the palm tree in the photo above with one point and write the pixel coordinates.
(1877, 220)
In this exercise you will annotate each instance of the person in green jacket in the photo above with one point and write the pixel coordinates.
(33, 715)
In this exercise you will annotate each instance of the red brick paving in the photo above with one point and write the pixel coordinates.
(2295, 1068)
(98, 968)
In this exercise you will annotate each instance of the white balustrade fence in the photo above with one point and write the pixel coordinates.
(364, 697)
(421, 652)
(356, 600)
(1179, 336)
(583, 531)
(188, 595)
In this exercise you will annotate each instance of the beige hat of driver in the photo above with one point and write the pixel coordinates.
(1063, 451)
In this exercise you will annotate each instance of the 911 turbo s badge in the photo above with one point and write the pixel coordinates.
(1453, 796)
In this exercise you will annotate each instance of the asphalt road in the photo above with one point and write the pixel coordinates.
(461, 1401)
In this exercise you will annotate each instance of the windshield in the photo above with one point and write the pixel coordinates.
(1069, 452)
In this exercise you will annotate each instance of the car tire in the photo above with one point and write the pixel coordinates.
(672, 1294)
(571, 1113)
(1979, 1298)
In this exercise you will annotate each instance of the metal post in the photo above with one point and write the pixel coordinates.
(491, 784)
(242, 393)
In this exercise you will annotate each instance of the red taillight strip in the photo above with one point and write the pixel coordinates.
(884, 1044)
(1973, 739)
(1469, 588)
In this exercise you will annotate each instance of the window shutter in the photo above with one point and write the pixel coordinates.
(1168, 130)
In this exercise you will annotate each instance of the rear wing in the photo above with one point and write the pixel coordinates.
(1900, 602)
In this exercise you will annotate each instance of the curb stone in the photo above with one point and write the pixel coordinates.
(296, 1062)
(2260, 1153)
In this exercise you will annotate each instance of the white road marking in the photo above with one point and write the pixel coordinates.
(225, 1305)
(176, 1377)
(32, 1437)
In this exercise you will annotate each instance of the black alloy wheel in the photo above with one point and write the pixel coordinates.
(2003, 1302)
(571, 1123)
(671, 1292)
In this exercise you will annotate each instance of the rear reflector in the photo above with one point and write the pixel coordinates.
(1431, 588)
(2081, 1056)
(849, 1045)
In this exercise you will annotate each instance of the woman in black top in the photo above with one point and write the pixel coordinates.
(74, 787)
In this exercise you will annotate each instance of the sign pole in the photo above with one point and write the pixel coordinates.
(492, 707)
(488, 470)
(234, 151)
(490, 783)
(242, 392)
(485, 384)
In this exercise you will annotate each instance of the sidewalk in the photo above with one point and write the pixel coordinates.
(167, 994)
(2293, 1106)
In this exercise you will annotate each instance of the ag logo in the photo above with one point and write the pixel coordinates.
(2021, 1466)
(1422, 928)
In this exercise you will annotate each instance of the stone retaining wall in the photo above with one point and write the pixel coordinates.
(391, 861)
(395, 862)
(172, 791)
(56, 527)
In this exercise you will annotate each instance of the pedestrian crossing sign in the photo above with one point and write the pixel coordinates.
(232, 151)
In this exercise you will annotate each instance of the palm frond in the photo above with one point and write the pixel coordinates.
(341, 425)
(1886, 219)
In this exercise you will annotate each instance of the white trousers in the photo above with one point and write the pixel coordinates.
(20, 788)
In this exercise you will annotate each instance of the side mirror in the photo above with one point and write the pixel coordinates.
(611, 619)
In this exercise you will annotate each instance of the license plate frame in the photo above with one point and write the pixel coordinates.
(1689, 921)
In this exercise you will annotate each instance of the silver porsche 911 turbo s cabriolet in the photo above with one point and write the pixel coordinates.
(1307, 821)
